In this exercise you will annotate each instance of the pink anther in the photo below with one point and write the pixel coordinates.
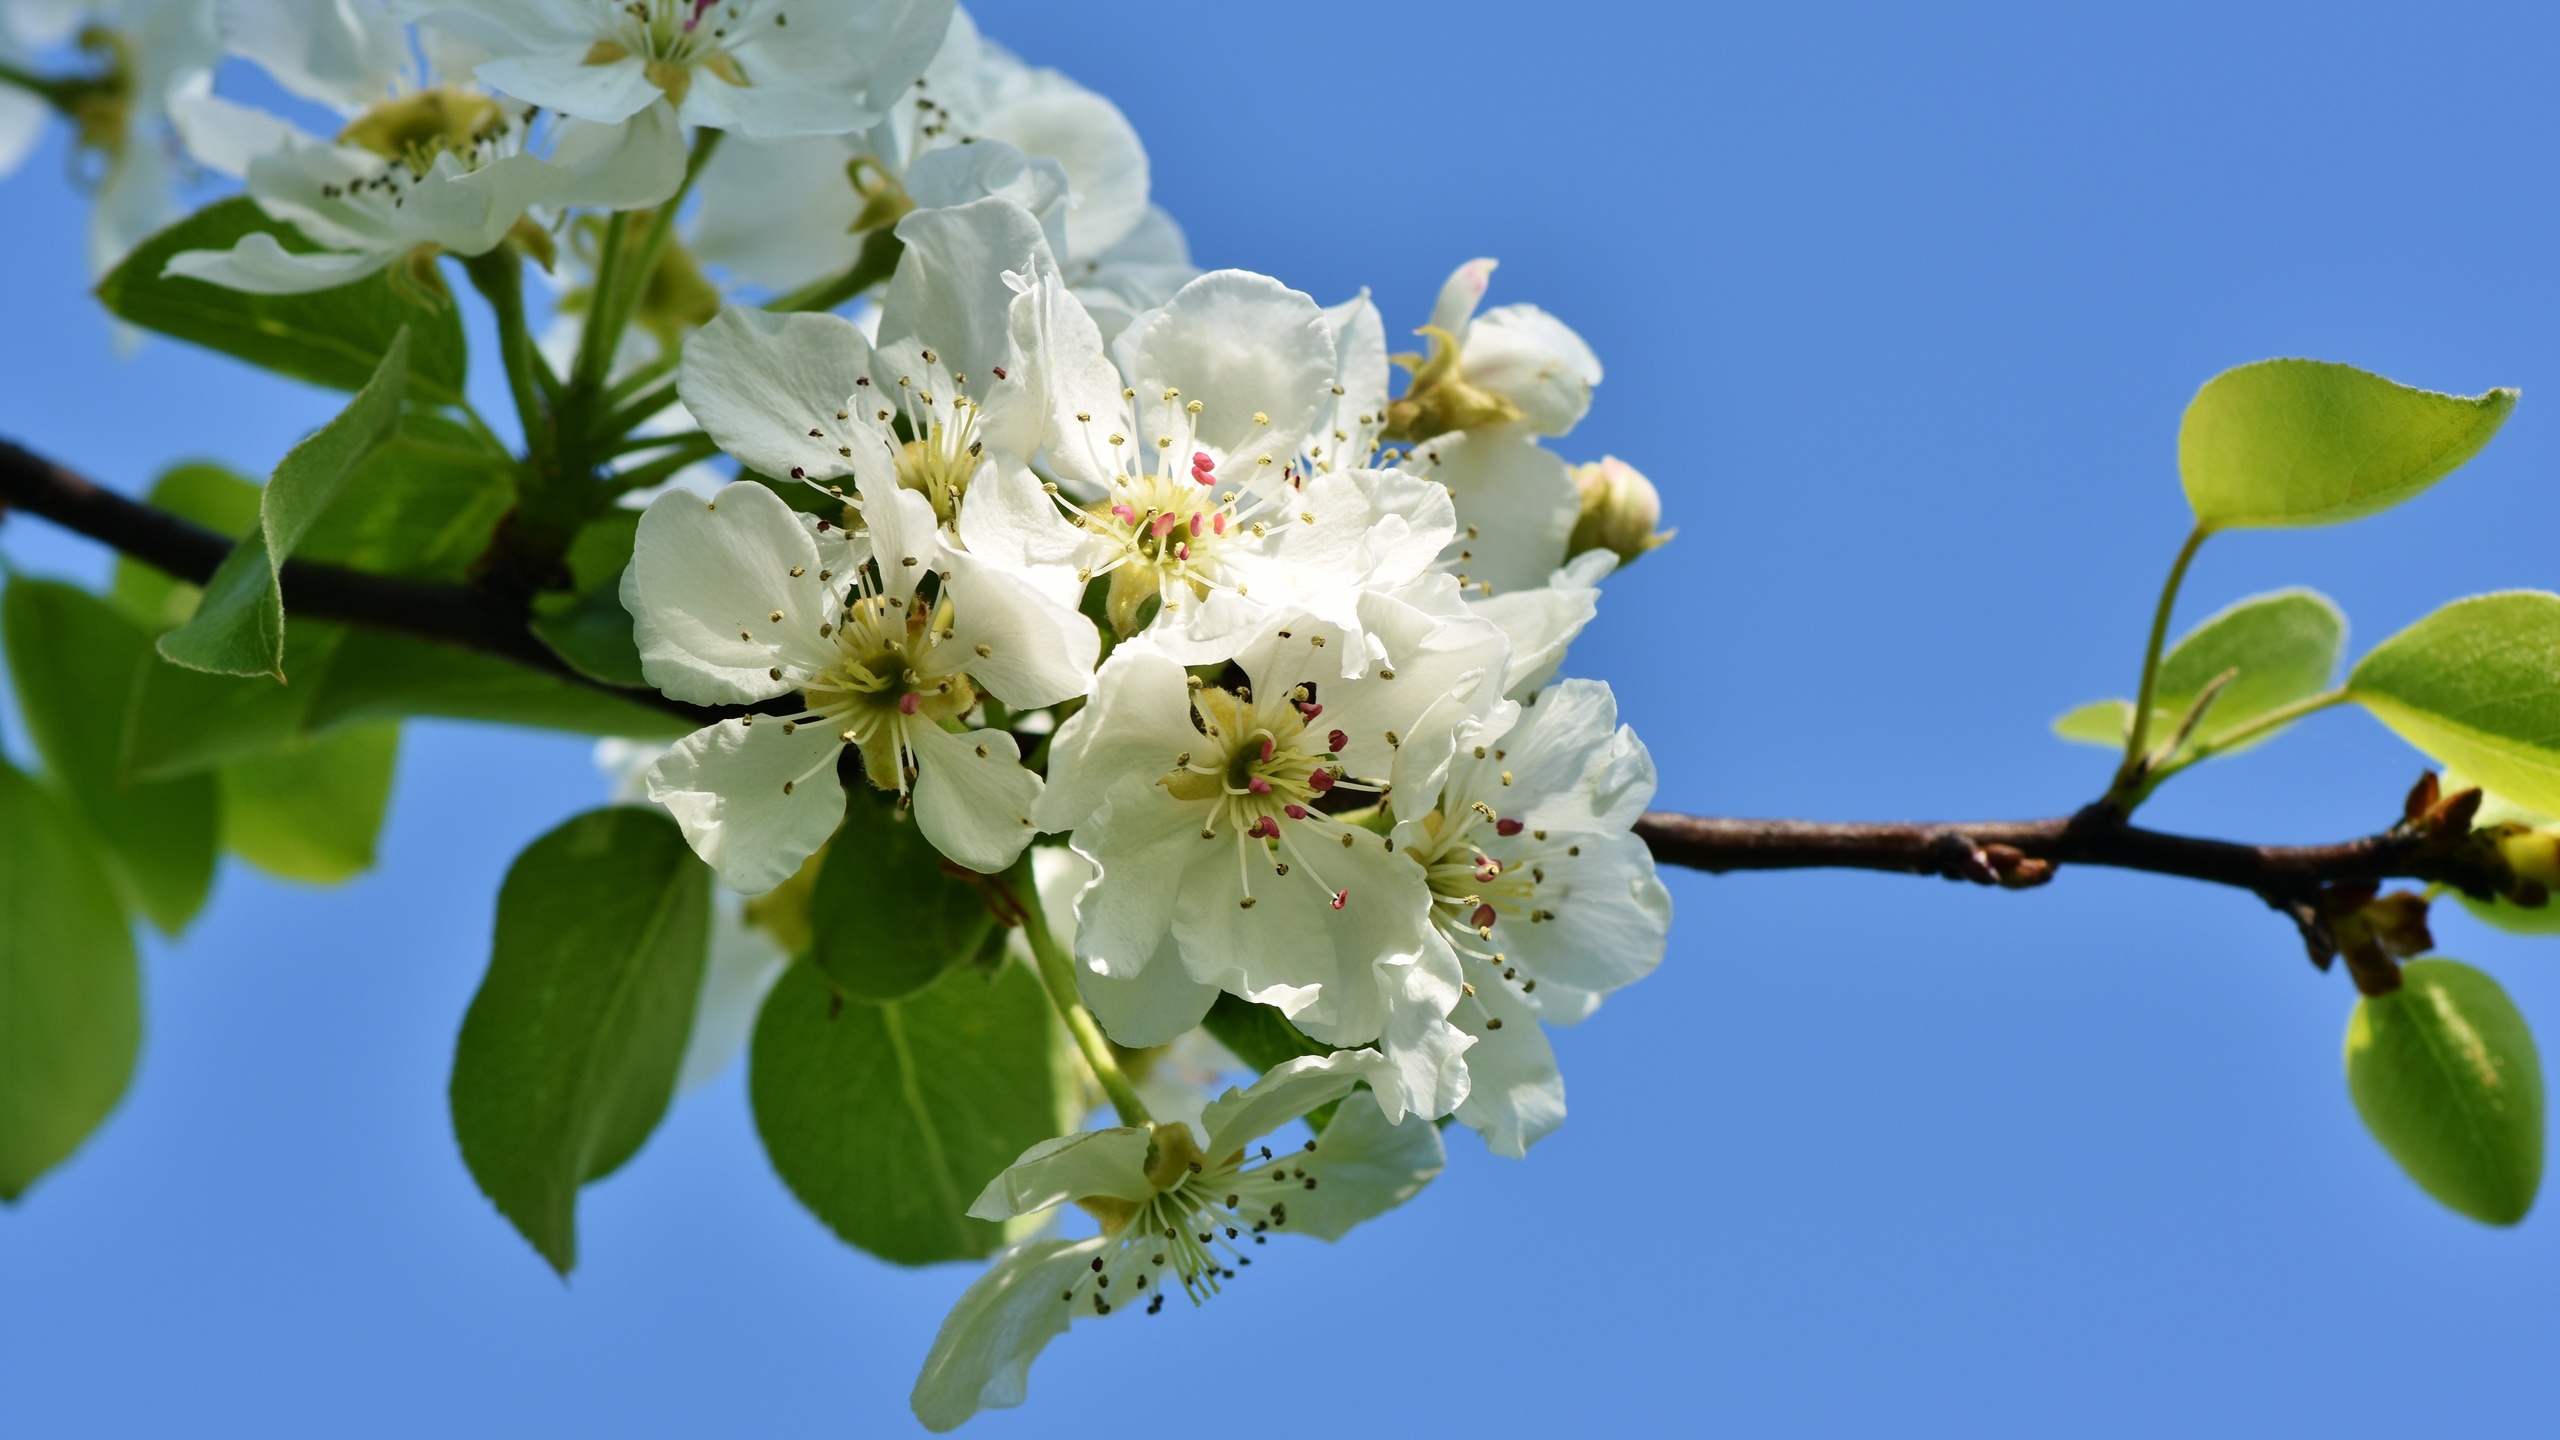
(1506, 827)
(1258, 785)
(1337, 742)
(1294, 812)
(1483, 917)
(1341, 897)
(908, 702)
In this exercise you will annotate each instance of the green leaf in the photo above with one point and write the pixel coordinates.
(2444, 1073)
(2103, 723)
(189, 720)
(2476, 685)
(587, 625)
(334, 337)
(312, 810)
(423, 504)
(2307, 442)
(570, 1051)
(211, 496)
(2284, 645)
(379, 676)
(78, 664)
(888, 1118)
(1259, 1035)
(886, 918)
(70, 988)
(239, 627)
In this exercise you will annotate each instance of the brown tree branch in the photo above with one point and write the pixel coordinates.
(2301, 881)
(456, 615)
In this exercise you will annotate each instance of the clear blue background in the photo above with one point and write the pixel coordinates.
(1900, 312)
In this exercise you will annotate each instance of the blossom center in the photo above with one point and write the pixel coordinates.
(1260, 772)
(413, 130)
(885, 673)
(1193, 1230)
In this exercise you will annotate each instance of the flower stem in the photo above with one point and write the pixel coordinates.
(2138, 735)
(2242, 734)
(1057, 976)
(499, 277)
(877, 261)
(624, 272)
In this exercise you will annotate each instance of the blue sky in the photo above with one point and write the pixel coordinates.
(1899, 311)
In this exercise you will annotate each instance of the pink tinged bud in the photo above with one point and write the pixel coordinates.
(907, 703)
(1341, 897)
(1127, 515)
(1320, 781)
(1506, 827)
(1258, 785)
(1294, 812)
(1164, 526)
(1483, 917)
(1337, 742)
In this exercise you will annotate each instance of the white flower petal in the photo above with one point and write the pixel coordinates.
(1611, 916)
(1534, 360)
(1368, 1165)
(1518, 500)
(1038, 652)
(1123, 916)
(760, 382)
(1010, 522)
(1460, 294)
(260, 266)
(710, 577)
(958, 175)
(223, 135)
(753, 802)
(1156, 1006)
(344, 53)
(981, 1358)
(778, 213)
(1286, 1092)
(1241, 345)
(1057, 119)
(1428, 1052)
(949, 293)
(1138, 720)
(562, 80)
(973, 799)
(1515, 1094)
(1069, 1167)
(630, 166)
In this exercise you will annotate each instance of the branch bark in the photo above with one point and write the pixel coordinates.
(456, 615)
(2013, 854)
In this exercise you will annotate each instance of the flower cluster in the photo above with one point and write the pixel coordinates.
(1055, 539)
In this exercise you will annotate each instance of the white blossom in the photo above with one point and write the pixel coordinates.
(761, 67)
(437, 170)
(1177, 1213)
(880, 666)
(140, 53)
(1186, 437)
(1208, 813)
(1538, 887)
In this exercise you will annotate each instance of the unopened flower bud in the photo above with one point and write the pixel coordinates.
(1619, 510)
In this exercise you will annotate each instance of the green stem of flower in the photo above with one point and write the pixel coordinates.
(2138, 735)
(622, 280)
(2240, 735)
(594, 358)
(1058, 977)
(499, 277)
(690, 450)
(49, 90)
(631, 416)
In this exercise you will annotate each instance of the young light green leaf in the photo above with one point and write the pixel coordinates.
(2445, 1075)
(211, 496)
(79, 665)
(334, 337)
(2308, 442)
(887, 1119)
(885, 918)
(238, 629)
(70, 988)
(2103, 723)
(379, 676)
(2476, 685)
(313, 809)
(2284, 646)
(569, 1052)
